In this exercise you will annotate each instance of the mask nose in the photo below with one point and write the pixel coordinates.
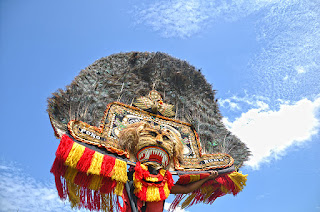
(159, 139)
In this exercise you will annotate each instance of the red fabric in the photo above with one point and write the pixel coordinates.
(107, 165)
(185, 179)
(85, 161)
(58, 169)
(82, 179)
(64, 147)
(227, 182)
(107, 185)
(170, 179)
(162, 194)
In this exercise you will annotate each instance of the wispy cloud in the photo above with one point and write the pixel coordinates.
(288, 33)
(287, 65)
(268, 133)
(184, 18)
(20, 192)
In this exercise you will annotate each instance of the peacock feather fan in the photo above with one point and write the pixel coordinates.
(125, 77)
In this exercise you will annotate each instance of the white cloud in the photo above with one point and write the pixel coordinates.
(184, 18)
(228, 103)
(269, 133)
(300, 70)
(20, 192)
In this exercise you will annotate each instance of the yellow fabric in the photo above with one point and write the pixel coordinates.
(163, 172)
(155, 179)
(73, 194)
(207, 191)
(137, 184)
(194, 177)
(95, 182)
(95, 166)
(224, 189)
(74, 155)
(70, 174)
(120, 171)
(118, 190)
(144, 167)
(188, 200)
(106, 202)
(166, 189)
(153, 194)
(238, 179)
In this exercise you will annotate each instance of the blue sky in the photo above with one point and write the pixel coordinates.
(262, 57)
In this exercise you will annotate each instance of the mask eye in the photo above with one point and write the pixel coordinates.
(153, 134)
(165, 137)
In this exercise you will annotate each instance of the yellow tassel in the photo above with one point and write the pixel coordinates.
(144, 167)
(194, 177)
(224, 189)
(238, 179)
(95, 166)
(70, 174)
(95, 182)
(120, 171)
(163, 172)
(153, 194)
(73, 194)
(106, 202)
(166, 189)
(188, 201)
(74, 155)
(137, 184)
(207, 191)
(118, 190)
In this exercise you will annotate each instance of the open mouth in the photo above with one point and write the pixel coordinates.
(153, 154)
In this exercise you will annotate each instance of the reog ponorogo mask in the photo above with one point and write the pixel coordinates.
(108, 119)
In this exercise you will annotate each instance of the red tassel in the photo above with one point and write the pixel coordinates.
(107, 185)
(143, 193)
(170, 180)
(176, 202)
(58, 168)
(107, 165)
(96, 200)
(82, 179)
(85, 161)
(214, 196)
(64, 147)
(227, 182)
(59, 187)
(162, 194)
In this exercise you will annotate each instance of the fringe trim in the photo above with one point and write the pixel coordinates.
(87, 178)
(228, 183)
(156, 189)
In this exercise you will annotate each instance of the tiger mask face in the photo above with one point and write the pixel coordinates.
(151, 145)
